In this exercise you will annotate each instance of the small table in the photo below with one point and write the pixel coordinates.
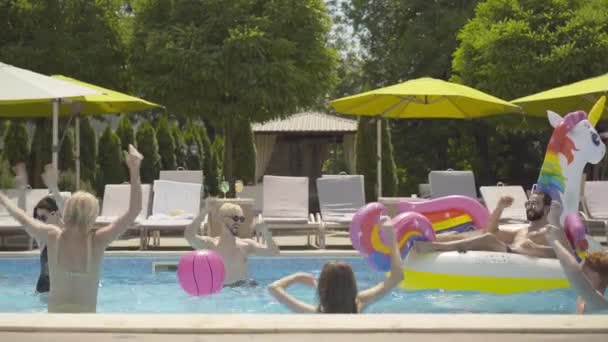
(215, 224)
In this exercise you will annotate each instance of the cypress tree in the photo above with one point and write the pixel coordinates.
(16, 144)
(180, 146)
(166, 144)
(41, 151)
(148, 146)
(125, 132)
(210, 162)
(88, 151)
(67, 157)
(109, 160)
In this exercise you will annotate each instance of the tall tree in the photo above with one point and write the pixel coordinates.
(166, 144)
(67, 158)
(238, 61)
(513, 48)
(41, 151)
(109, 160)
(180, 146)
(64, 37)
(148, 146)
(125, 132)
(88, 151)
(16, 142)
(210, 161)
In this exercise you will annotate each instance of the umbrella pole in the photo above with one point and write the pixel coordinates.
(77, 159)
(55, 149)
(379, 155)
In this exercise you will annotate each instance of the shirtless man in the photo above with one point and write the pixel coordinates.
(75, 250)
(234, 250)
(530, 241)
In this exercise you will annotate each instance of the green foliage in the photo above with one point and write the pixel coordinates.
(240, 164)
(78, 38)
(148, 146)
(194, 148)
(251, 58)
(218, 152)
(67, 182)
(16, 143)
(407, 39)
(88, 151)
(180, 146)
(552, 42)
(7, 179)
(41, 151)
(109, 160)
(366, 159)
(67, 158)
(166, 144)
(125, 132)
(210, 167)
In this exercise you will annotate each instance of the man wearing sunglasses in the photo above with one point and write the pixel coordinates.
(234, 250)
(531, 240)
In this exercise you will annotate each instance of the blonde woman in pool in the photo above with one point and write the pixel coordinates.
(76, 250)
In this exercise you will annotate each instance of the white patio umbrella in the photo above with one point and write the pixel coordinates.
(21, 88)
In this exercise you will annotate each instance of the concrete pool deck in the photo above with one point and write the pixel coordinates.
(352, 328)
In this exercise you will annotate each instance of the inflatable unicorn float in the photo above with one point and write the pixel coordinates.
(573, 144)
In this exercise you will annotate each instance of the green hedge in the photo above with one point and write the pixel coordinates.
(180, 146)
(210, 162)
(88, 151)
(125, 132)
(41, 152)
(67, 158)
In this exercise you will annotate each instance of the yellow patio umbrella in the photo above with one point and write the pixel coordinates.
(422, 98)
(576, 96)
(106, 101)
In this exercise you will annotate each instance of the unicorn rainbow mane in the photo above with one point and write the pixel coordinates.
(551, 179)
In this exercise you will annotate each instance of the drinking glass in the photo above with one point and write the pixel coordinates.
(224, 187)
(238, 187)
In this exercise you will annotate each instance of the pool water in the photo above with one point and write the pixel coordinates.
(130, 285)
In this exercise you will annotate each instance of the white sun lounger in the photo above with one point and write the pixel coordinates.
(514, 214)
(446, 183)
(285, 208)
(116, 202)
(339, 199)
(595, 207)
(174, 207)
(184, 176)
(255, 192)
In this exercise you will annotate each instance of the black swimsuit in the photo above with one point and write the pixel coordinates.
(44, 283)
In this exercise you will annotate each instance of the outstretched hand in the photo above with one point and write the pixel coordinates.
(505, 201)
(20, 175)
(133, 157)
(305, 278)
(50, 177)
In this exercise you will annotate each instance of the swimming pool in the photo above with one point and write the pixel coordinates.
(129, 285)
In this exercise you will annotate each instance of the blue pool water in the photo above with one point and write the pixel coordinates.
(130, 285)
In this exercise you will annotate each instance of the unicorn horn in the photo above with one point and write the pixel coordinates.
(596, 112)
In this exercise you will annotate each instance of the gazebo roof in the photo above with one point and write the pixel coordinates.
(307, 122)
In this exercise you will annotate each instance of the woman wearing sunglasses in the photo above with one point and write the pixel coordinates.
(47, 210)
(234, 250)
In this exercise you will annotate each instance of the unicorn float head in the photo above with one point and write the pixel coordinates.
(573, 144)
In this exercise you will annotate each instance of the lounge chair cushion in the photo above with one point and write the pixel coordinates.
(596, 199)
(446, 183)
